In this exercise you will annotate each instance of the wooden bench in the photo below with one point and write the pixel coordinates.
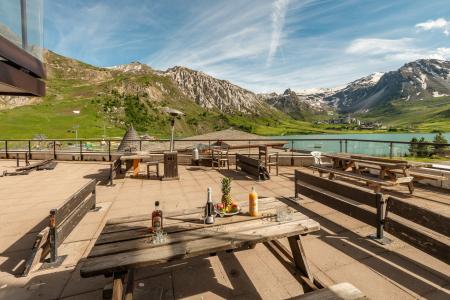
(252, 166)
(62, 220)
(420, 227)
(340, 291)
(114, 168)
(375, 183)
(265, 156)
(37, 165)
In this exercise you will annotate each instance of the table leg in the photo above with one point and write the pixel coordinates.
(410, 184)
(298, 253)
(118, 286)
(135, 167)
(382, 173)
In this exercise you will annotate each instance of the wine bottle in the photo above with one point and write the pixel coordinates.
(157, 218)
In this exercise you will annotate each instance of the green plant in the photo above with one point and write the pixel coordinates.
(226, 192)
(439, 139)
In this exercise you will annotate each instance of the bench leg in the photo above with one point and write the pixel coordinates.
(130, 286)
(157, 170)
(148, 171)
(298, 253)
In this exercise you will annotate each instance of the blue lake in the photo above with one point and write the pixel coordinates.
(370, 148)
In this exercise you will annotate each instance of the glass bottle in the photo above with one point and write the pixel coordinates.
(253, 203)
(157, 218)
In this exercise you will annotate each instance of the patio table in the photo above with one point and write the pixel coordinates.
(387, 167)
(136, 158)
(126, 243)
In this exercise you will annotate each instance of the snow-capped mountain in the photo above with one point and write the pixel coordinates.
(134, 67)
(419, 80)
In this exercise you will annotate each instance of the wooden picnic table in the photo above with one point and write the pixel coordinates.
(387, 167)
(136, 158)
(126, 243)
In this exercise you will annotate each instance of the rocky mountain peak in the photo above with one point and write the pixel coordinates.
(134, 67)
(213, 93)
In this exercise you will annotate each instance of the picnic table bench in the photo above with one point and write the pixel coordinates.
(387, 167)
(125, 243)
(373, 182)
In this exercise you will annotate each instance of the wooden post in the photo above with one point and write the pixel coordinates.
(53, 237)
(298, 253)
(118, 285)
(130, 285)
(17, 159)
(140, 145)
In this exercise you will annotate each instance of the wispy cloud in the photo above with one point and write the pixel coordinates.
(403, 49)
(440, 24)
(278, 17)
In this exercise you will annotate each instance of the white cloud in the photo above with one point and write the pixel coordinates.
(278, 17)
(372, 46)
(403, 49)
(440, 23)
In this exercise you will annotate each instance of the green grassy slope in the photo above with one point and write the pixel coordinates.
(423, 116)
(111, 100)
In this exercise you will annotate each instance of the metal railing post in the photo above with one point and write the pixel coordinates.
(6, 149)
(346, 146)
(380, 219)
(29, 149)
(53, 236)
(54, 149)
(340, 145)
(81, 150)
(109, 150)
(391, 150)
(292, 152)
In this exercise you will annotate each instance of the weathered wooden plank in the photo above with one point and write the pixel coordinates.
(143, 221)
(202, 232)
(66, 227)
(34, 165)
(347, 191)
(419, 215)
(340, 291)
(74, 201)
(36, 252)
(222, 242)
(329, 199)
(418, 239)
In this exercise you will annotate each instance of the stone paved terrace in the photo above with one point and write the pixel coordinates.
(339, 252)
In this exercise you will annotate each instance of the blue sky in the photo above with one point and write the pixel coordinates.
(262, 45)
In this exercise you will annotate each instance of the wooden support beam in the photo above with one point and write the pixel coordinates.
(118, 280)
(298, 253)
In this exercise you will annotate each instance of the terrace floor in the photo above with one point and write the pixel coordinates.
(338, 252)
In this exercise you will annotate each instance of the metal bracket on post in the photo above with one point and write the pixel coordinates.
(379, 235)
(54, 260)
